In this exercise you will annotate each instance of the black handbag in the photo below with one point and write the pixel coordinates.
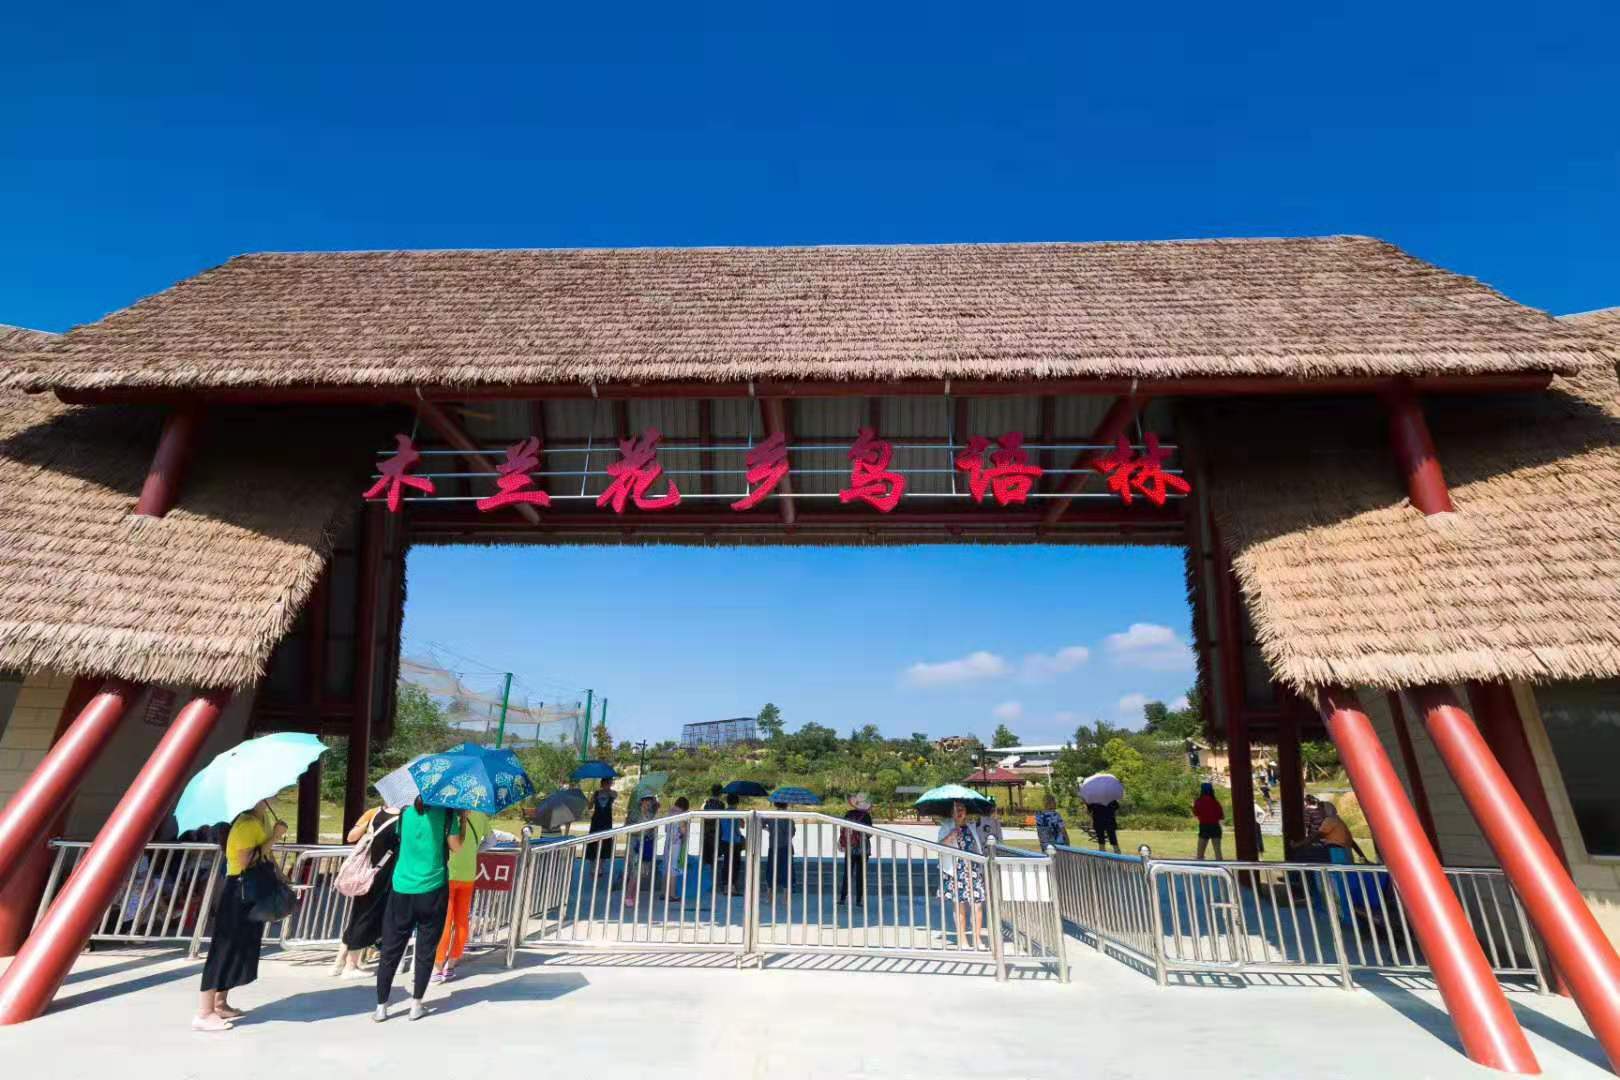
(265, 893)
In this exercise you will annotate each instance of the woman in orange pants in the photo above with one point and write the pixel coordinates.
(463, 866)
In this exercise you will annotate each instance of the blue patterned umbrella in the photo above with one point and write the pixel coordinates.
(795, 796)
(471, 777)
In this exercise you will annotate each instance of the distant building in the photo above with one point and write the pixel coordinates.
(719, 732)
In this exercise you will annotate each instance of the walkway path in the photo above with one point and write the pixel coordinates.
(124, 1015)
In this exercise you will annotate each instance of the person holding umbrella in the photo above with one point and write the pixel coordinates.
(963, 882)
(364, 929)
(853, 843)
(1102, 794)
(236, 787)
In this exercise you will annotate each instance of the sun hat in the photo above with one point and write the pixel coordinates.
(860, 801)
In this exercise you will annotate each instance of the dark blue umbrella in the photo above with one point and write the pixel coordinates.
(595, 770)
(747, 789)
(471, 777)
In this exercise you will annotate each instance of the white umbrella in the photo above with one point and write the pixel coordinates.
(398, 788)
(1102, 789)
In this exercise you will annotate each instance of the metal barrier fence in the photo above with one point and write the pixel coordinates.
(1316, 918)
(752, 885)
(749, 885)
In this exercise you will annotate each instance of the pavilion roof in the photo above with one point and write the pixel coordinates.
(199, 597)
(1346, 582)
(1297, 308)
(994, 776)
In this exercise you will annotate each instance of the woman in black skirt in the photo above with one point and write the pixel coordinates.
(366, 916)
(233, 952)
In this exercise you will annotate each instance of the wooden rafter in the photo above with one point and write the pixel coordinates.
(1114, 423)
(448, 430)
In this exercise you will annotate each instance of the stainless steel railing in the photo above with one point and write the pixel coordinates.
(753, 885)
(1317, 918)
(167, 896)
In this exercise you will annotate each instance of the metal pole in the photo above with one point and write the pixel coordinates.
(1490, 1033)
(506, 695)
(520, 906)
(1580, 951)
(993, 873)
(585, 747)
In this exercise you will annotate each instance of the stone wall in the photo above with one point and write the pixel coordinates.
(26, 734)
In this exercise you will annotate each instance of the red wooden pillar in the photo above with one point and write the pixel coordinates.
(162, 487)
(19, 896)
(1290, 782)
(26, 819)
(1578, 947)
(370, 592)
(1414, 450)
(1414, 775)
(29, 984)
(1490, 1033)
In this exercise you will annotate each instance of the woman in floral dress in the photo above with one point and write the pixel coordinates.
(962, 880)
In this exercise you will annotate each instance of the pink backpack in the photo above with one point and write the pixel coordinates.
(355, 876)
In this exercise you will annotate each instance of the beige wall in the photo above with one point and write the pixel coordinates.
(1598, 879)
(33, 721)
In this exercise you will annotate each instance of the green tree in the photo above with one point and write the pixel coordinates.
(420, 727)
(1184, 723)
(602, 741)
(1321, 759)
(770, 721)
(1003, 737)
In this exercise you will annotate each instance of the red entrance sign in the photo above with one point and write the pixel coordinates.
(869, 477)
(1145, 473)
(767, 464)
(497, 871)
(513, 478)
(635, 473)
(395, 475)
(1009, 477)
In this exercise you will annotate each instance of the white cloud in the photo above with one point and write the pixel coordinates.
(1008, 710)
(1131, 705)
(1179, 704)
(970, 668)
(1050, 665)
(1149, 646)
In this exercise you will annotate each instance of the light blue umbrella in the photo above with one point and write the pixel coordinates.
(936, 802)
(795, 796)
(471, 777)
(241, 776)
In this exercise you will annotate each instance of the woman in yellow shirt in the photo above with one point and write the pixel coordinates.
(233, 952)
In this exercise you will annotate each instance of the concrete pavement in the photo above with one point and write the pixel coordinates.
(124, 1014)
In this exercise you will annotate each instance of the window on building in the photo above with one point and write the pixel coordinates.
(10, 683)
(1583, 723)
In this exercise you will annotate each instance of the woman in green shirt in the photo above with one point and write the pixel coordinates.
(427, 837)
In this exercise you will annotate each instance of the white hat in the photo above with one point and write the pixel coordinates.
(860, 801)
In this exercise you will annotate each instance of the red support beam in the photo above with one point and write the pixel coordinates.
(774, 411)
(1218, 386)
(34, 976)
(370, 571)
(450, 431)
(19, 897)
(1490, 1033)
(168, 470)
(28, 815)
(1414, 450)
(1115, 422)
(1290, 783)
(1577, 945)
(1414, 775)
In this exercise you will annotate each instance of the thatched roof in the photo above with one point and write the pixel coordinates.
(198, 597)
(1301, 308)
(1346, 582)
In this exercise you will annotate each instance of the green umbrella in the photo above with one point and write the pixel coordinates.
(238, 778)
(937, 802)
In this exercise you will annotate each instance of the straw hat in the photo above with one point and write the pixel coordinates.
(860, 801)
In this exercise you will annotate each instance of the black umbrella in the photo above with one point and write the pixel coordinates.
(559, 809)
(747, 789)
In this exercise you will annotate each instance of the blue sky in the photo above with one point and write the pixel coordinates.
(139, 145)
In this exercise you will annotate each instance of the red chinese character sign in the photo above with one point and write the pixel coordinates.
(513, 478)
(1009, 476)
(396, 475)
(767, 465)
(870, 479)
(1144, 473)
(635, 474)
